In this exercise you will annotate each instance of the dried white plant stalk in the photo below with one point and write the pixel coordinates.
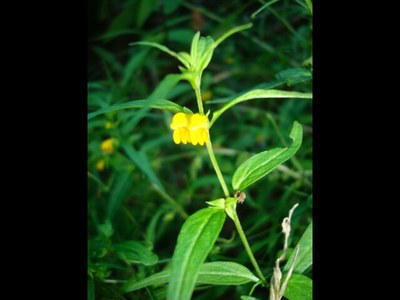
(277, 289)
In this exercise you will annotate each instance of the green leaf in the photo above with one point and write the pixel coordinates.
(205, 51)
(225, 273)
(91, 294)
(170, 5)
(299, 287)
(308, 62)
(185, 58)
(106, 229)
(203, 48)
(135, 252)
(109, 57)
(218, 203)
(124, 19)
(165, 86)
(304, 258)
(253, 15)
(140, 159)
(146, 7)
(195, 241)
(295, 75)
(154, 224)
(136, 60)
(309, 5)
(230, 206)
(161, 91)
(119, 189)
(193, 48)
(230, 32)
(162, 48)
(259, 165)
(269, 85)
(215, 273)
(156, 103)
(257, 94)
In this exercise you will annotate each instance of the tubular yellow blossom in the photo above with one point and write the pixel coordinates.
(100, 165)
(179, 120)
(190, 128)
(179, 124)
(198, 129)
(107, 145)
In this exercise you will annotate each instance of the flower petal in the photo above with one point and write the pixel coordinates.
(179, 120)
(194, 137)
(177, 136)
(204, 136)
(185, 135)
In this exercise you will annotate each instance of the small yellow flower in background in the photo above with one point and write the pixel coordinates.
(198, 129)
(229, 60)
(190, 128)
(100, 165)
(206, 95)
(107, 145)
(108, 125)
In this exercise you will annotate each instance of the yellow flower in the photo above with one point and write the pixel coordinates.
(107, 145)
(179, 124)
(198, 129)
(100, 165)
(108, 125)
(189, 128)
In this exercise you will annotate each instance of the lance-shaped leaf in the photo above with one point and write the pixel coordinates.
(205, 51)
(206, 45)
(157, 103)
(257, 94)
(259, 165)
(162, 48)
(232, 31)
(195, 241)
(304, 258)
(135, 252)
(215, 273)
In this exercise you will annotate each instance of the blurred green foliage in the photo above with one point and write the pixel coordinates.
(142, 188)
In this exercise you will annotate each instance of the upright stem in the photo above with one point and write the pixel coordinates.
(198, 97)
(225, 188)
(216, 168)
(247, 247)
(208, 144)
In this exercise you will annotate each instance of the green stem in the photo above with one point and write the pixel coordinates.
(198, 97)
(210, 150)
(214, 162)
(216, 168)
(247, 247)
